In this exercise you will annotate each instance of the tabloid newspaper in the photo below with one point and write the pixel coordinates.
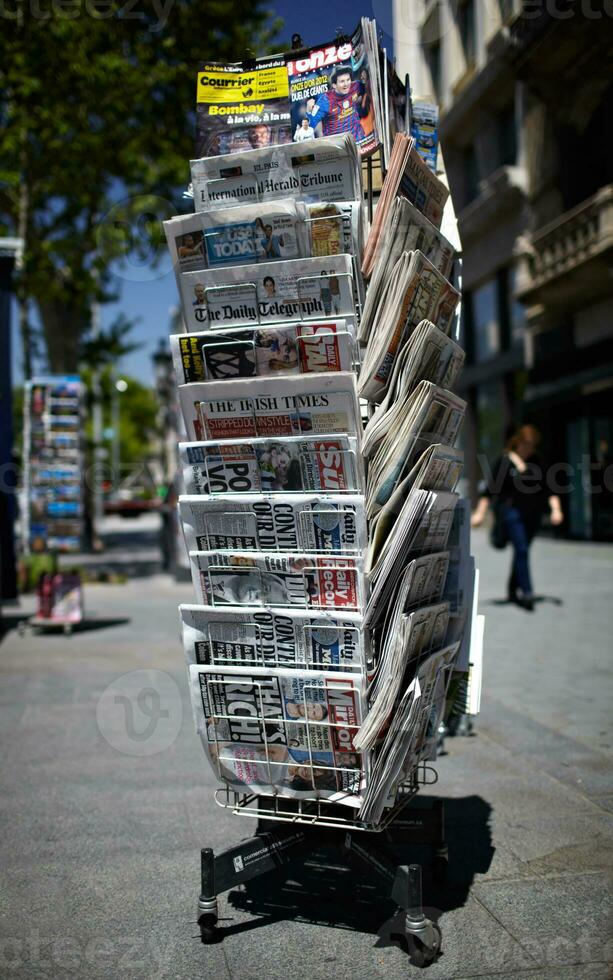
(244, 352)
(270, 292)
(267, 232)
(275, 522)
(286, 638)
(291, 463)
(241, 107)
(321, 170)
(245, 578)
(312, 404)
(288, 730)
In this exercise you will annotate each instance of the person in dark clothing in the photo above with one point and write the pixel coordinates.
(518, 493)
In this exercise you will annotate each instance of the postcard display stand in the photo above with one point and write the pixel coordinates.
(53, 510)
(277, 654)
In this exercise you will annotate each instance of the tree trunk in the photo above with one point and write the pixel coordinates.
(63, 329)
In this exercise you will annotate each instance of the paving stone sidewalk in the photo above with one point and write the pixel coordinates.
(102, 826)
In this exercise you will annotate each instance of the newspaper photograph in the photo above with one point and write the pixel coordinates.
(312, 404)
(241, 107)
(321, 170)
(268, 292)
(289, 464)
(244, 352)
(291, 730)
(286, 638)
(245, 578)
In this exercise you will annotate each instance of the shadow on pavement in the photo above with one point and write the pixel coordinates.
(554, 600)
(323, 890)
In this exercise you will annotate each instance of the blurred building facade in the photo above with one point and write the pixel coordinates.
(526, 98)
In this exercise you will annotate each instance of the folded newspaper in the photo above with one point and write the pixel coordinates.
(245, 578)
(334, 523)
(287, 638)
(415, 720)
(284, 348)
(409, 176)
(414, 634)
(290, 463)
(270, 292)
(406, 230)
(289, 732)
(325, 169)
(429, 415)
(312, 404)
(415, 291)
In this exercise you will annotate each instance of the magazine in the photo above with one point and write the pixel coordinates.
(274, 522)
(312, 404)
(424, 129)
(288, 730)
(331, 91)
(321, 170)
(286, 638)
(277, 579)
(270, 292)
(241, 107)
(285, 348)
(289, 464)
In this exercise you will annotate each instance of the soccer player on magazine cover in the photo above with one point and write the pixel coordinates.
(342, 108)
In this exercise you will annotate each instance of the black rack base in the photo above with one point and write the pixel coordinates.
(276, 846)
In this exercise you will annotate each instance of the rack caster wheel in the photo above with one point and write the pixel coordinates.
(425, 945)
(67, 629)
(22, 628)
(208, 929)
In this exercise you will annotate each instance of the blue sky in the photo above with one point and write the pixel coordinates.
(150, 294)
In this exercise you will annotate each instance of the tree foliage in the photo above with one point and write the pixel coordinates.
(97, 106)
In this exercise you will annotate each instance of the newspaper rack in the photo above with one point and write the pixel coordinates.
(291, 821)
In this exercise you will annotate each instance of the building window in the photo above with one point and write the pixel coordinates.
(507, 136)
(516, 310)
(466, 26)
(485, 321)
(471, 174)
(490, 423)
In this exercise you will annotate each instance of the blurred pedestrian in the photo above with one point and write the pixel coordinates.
(517, 491)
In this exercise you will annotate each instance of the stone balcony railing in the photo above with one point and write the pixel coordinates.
(566, 244)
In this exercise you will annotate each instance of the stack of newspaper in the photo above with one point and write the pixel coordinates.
(330, 558)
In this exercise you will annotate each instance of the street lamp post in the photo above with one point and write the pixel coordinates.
(118, 388)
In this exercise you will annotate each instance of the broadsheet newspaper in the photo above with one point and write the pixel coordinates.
(278, 579)
(289, 464)
(315, 404)
(321, 170)
(287, 731)
(284, 348)
(286, 638)
(275, 522)
(269, 292)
